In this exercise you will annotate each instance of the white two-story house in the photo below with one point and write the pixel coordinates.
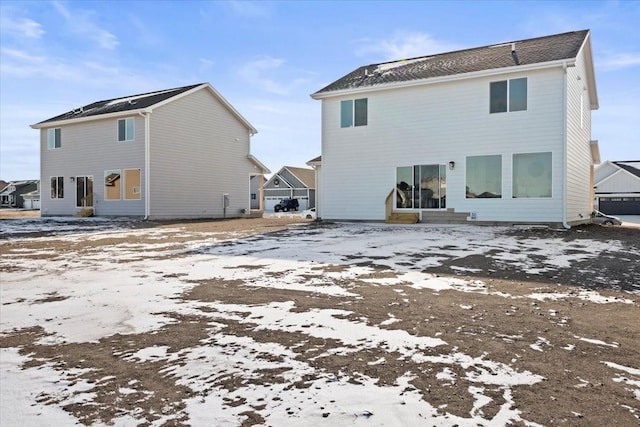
(175, 153)
(498, 133)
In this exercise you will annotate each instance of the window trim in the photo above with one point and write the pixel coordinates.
(418, 192)
(515, 179)
(501, 179)
(127, 121)
(353, 117)
(89, 196)
(107, 173)
(509, 95)
(54, 138)
(58, 194)
(136, 189)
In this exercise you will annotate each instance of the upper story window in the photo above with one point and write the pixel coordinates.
(54, 138)
(508, 95)
(353, 112)
(126, 129)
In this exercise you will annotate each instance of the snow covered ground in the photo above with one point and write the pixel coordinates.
(113, 281)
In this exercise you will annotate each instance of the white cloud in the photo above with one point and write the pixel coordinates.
(20, 55)
(20, 27)
(249, 8)
(268, 73)
(402, 45)
(620, 60)
(82, 23)
(205, 64)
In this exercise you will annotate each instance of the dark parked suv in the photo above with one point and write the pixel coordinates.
(287, 205)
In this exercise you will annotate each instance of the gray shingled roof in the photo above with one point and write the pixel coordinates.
(630, 166)
(307, 176)
(116, 105)
(528, 51)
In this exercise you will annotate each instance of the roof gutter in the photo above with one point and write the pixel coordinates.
(89, 118)
(433, 80)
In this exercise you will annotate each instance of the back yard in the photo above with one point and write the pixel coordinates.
(281, 321)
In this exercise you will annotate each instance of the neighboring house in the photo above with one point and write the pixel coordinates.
(617, 187)
(499, 133)
(291, 183)
(316, 164)
(32, 200)
(13, 194)
(175, 153)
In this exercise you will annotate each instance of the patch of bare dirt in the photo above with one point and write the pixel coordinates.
(552, 338)
(18, 213)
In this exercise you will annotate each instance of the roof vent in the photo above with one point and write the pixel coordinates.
(514, 54)
(132, 102)
(78, 111)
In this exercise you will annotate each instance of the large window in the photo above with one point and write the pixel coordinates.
(126, 129)
(54, 138)
(484, 177)
(84, 191)
(532, 175)
(421, 187)
(508, 95)
(353, 112)
(132, 190)
(112, 184)
(57, 187)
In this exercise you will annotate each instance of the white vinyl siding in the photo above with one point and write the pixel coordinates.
(620, 182)
(89, 150)
(435, 124)
(199, 152)
(579, 199)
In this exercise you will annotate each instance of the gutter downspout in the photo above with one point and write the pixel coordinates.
(147, 162)
(565, 146)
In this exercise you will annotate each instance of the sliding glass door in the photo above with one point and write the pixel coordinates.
(84, 191)
(421, 187)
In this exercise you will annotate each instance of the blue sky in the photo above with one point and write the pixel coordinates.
(266, 58)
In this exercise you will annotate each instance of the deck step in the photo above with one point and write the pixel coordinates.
(444, 217)
(403, 218)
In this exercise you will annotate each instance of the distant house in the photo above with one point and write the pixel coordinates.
(32, 200)
(291, 183)
(13, 194)
(316, 165)
(494, 134)
(617, 187)
(174, 153)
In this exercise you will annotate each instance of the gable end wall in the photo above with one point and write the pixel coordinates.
(198, 152)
